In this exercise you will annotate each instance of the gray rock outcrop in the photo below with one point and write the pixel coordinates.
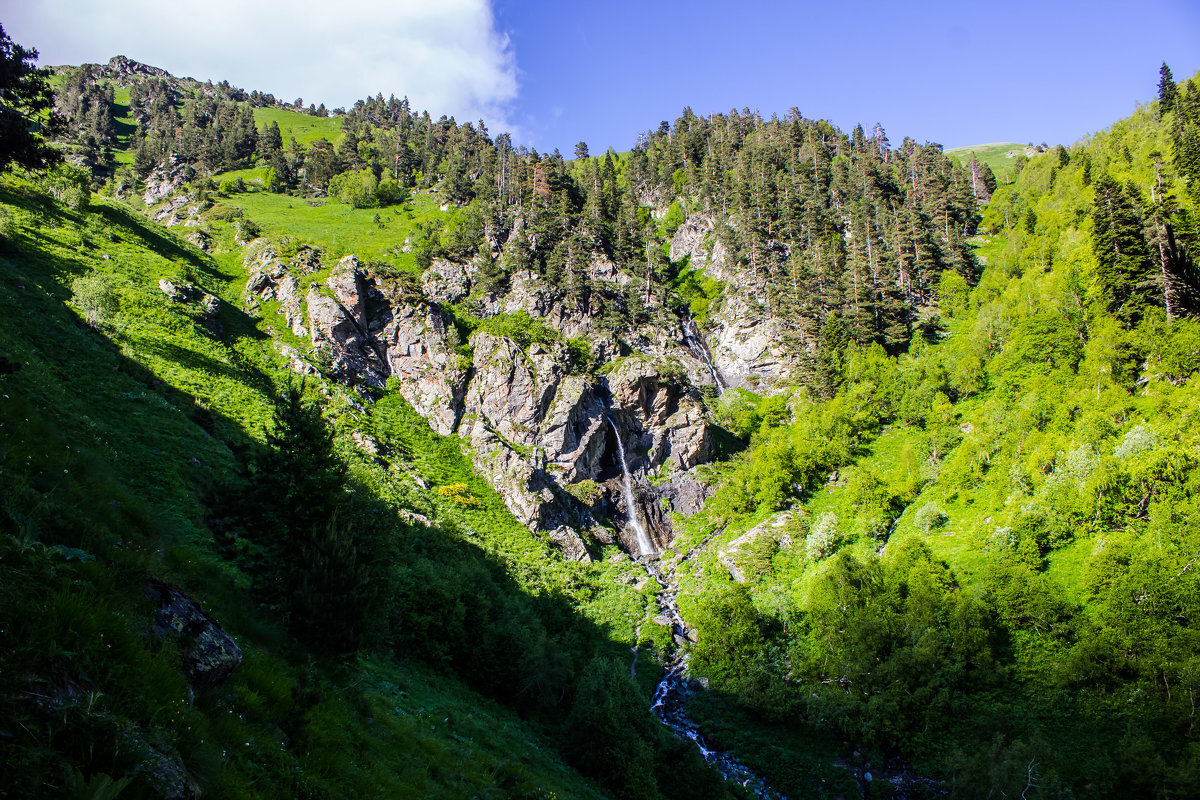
(166, 179)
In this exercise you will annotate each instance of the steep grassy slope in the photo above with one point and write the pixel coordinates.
(110, 437)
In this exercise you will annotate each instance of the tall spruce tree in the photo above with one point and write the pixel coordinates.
(282, 526)
(1123, 265)
(1167, 90)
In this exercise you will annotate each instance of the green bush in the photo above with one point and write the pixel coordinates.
(930, 516)
(97, 298)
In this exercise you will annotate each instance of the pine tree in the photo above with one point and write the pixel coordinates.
(281, 524)
(1168, 92)
(25, 99)
(1123, 266)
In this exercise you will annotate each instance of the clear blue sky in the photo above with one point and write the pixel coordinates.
(935, 71)
(555, 73)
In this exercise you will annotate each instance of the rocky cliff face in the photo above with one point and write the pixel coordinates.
(746, 342)
(538, 424)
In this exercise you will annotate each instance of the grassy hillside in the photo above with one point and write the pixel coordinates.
(305, 128)
(374, 234)
(114, 437)
(995, 155)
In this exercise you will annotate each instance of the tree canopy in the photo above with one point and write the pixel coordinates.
(25, 100)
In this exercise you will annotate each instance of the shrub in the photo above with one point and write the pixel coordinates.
(823, 539)
(930, 516)
(1138, 439)
(458, 493)
(96, 297)
(586, 491)
(232, 186)
(69, 185)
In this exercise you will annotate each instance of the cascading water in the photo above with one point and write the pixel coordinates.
(645, 546)
(670, 696)
(698, 347)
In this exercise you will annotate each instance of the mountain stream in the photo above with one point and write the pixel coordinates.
(669, 702)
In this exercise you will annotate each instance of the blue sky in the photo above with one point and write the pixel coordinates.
(933, 71)
(556, 73)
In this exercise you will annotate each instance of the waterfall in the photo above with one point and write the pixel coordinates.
(644, 544)
(694, 341)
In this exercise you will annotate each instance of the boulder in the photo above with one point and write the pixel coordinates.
(570, 543)
(210, 655)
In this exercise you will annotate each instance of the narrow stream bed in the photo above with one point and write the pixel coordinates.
(669, 702)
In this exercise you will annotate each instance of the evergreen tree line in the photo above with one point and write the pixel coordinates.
(819, 225)
(822, 224)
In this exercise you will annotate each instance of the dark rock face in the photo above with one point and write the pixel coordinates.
(210, 655)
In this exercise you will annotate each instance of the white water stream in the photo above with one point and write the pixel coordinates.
(669, 702)
(645, 546)
(698, 347)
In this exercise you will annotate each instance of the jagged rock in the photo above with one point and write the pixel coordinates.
(189, 292)
(121, 68)
(287, 292)
(210, 304)
(419, 356)
(445, 281)
(746, 344)
(693, 240)
(570, 543)
(332, 327)
(604, 270)
(505, 404)
(574, 430)
(175, 211)
(684, 493)
(747, 347)
(165, 179)
(413, 518)
(663, 413)
(308, 259)
(210, 655)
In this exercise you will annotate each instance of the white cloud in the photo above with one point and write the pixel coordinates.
(445, 55)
